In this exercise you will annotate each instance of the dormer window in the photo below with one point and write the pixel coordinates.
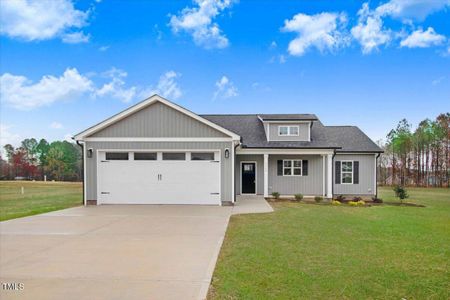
(288, 130)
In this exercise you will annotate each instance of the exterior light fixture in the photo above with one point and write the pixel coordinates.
(89, 153)
(227, 153)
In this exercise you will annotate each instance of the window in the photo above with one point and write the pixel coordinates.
(288, 130)
(292, 167)
(347, 172)
(174, 156)
(116, 156)
(144, 155)
(202, 156)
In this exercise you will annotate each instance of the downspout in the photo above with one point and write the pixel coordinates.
(82, 167)
(376, 175)
(332, 173)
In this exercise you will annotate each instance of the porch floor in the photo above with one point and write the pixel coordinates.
(251, 204)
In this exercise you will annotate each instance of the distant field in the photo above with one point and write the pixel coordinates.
(38, 197)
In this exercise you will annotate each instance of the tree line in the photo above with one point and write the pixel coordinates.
(33, 160)
(418, 157)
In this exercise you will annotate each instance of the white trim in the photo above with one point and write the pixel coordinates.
(156, 139)
(289, 130)
(283, 151)
(84, 175)
(330, 175)
(268, 132)
(292, 168)
(342, 172)
(256, 176)
(309, 131)
(375, 175)
(266, 175)
(158, 159)
(233, 178)
(284, 121)
(145, 103)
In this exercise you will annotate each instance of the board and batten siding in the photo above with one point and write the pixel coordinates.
(310, 185)
(259, 159)
(366, 185)
(226, 163)
(158, 120)
(303, 132)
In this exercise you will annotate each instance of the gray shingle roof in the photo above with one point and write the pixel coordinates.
(288, 117)
(341, 138)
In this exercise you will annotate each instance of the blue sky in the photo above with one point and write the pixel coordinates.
(65, 65)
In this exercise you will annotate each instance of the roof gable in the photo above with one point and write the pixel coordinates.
(137, 117)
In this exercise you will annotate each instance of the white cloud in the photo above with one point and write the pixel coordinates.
(68, 137)
(322, 31)
(116, 87)
(198, 21)
(75, 38)
(438, 80)
(21, 93)
(225, 89)
(8, 137)
(167, 87)
(103, 48)
(41, 20)
(422, 39)
(369, 31)
(411, 9)
(56, 125)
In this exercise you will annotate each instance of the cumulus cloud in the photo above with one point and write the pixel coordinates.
(323, 31)
(56, 125)
(411, 9)
(8, 137)
(369, 31)
(41, 20)
(225, 89)
(423, 39)
(21, 93)
(199, 22)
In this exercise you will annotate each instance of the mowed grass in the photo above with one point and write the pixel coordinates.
(306, 251)
(38, 197)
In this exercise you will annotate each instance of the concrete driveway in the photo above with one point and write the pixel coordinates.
(113, 252)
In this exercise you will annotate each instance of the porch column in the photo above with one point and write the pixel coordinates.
(266, 175)
(329, 175)
(324, 177)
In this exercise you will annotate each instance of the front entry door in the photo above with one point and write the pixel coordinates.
(248, 171)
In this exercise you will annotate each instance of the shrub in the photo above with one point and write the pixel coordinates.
(356, 199)
(340, 198)
(318, 198)
(353, 203)
(377, 200)
(400, 192)
(298, 197)
(276, 195)
(335, 202)
(361, 203)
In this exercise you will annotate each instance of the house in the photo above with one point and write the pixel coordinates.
(157, 152)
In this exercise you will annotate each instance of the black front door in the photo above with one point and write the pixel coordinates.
(248, 172)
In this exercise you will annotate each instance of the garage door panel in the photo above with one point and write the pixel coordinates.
(159, 182)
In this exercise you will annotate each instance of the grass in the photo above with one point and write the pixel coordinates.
(304, 251)
(38, 197)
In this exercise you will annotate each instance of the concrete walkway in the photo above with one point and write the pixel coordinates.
(113, 252)
(251, 204)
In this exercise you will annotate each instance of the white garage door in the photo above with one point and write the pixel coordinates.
(159, 177)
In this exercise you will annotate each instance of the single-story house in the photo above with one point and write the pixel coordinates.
(157, 152)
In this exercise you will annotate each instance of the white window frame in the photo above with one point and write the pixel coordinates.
(292, 167)
(347, 172)
(288, 130)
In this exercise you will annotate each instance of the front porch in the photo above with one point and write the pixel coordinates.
(288, 172)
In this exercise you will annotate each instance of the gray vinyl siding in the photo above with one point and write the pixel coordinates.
(312, 184)
(226, 163)
(158, 120)
(366, 184)
(259, 159)
(303, 132)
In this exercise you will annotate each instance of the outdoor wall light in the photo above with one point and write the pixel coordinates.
(89, 152)
(227, 153)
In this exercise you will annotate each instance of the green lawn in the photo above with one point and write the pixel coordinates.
(339, 252)
(38, 197)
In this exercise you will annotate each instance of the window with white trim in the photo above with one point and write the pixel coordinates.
(288, 130)
(347, 172)
(292, 167)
